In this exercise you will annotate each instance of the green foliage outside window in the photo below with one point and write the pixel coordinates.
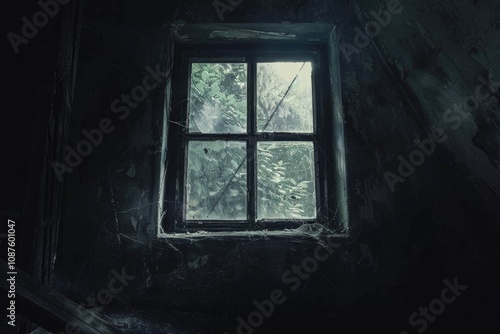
(216, 177)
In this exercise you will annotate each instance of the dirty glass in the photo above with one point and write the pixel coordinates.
(216, 186)
(216, 180)
(285, 180)
(284, 97)
(218, 98)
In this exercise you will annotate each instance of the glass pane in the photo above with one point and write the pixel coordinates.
(284, 97)
(285, 180)
(218, 98)
(216, 181)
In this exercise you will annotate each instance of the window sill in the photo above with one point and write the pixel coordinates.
(306, 232)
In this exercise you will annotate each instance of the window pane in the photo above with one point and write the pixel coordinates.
(284, 97)
(286, 180)
(216, 182)
(218, 98)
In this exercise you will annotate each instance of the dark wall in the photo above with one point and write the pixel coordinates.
(29, 77)
(442, 222)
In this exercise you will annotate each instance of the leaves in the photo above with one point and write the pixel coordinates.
(218, 98)
(216, 182)
(216, 170)
(284, 97)
(285, 180)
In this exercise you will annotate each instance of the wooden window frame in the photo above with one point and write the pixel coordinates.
(251, 52)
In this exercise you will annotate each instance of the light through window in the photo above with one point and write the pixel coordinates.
(250, 149)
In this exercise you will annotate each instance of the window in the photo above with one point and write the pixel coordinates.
(249, 137)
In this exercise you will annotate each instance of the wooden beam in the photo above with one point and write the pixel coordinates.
(51, 310)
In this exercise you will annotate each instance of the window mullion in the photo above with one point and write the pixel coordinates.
(252, 145)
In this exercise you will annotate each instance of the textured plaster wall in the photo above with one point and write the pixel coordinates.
(442, 222)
